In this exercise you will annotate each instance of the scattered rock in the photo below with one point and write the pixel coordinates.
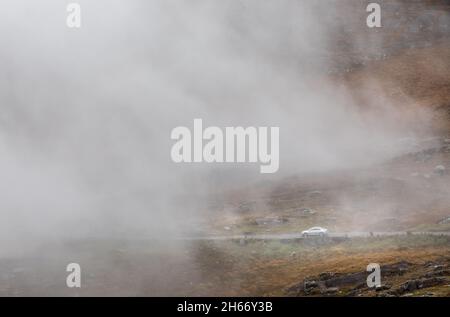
(354, 284)
(408, 286)
(311, 287)
(326, 275)
(270, 221)
(423, 157)
(330, 291)
(412, 285)
(246, 207)
(437, 273)
(306, 211)
(444, 221)
(440, 170)
(357, 280)
(383, 287)
(346, 280)
(429, 282)
(430, 264)
(386, 294)
(438, 267)
(398, 268)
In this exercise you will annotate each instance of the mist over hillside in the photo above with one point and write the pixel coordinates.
(86, 114)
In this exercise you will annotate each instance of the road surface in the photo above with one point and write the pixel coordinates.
(298, 235)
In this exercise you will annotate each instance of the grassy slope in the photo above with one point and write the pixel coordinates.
(268, 268)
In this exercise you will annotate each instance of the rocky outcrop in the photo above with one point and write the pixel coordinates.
(354, 284)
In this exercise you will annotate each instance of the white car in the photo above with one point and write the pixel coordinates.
(315, 231)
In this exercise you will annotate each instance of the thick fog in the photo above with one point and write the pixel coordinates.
(86, 114)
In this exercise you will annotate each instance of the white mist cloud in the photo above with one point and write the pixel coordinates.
(87, 113)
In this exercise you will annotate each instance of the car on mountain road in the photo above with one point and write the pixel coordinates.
(315, 231)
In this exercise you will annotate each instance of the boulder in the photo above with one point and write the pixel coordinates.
(440, 169)
(412, 285)
(330, 291)
(383, 287)
(444, 221)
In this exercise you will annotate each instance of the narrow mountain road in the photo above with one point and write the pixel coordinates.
(298, 235)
